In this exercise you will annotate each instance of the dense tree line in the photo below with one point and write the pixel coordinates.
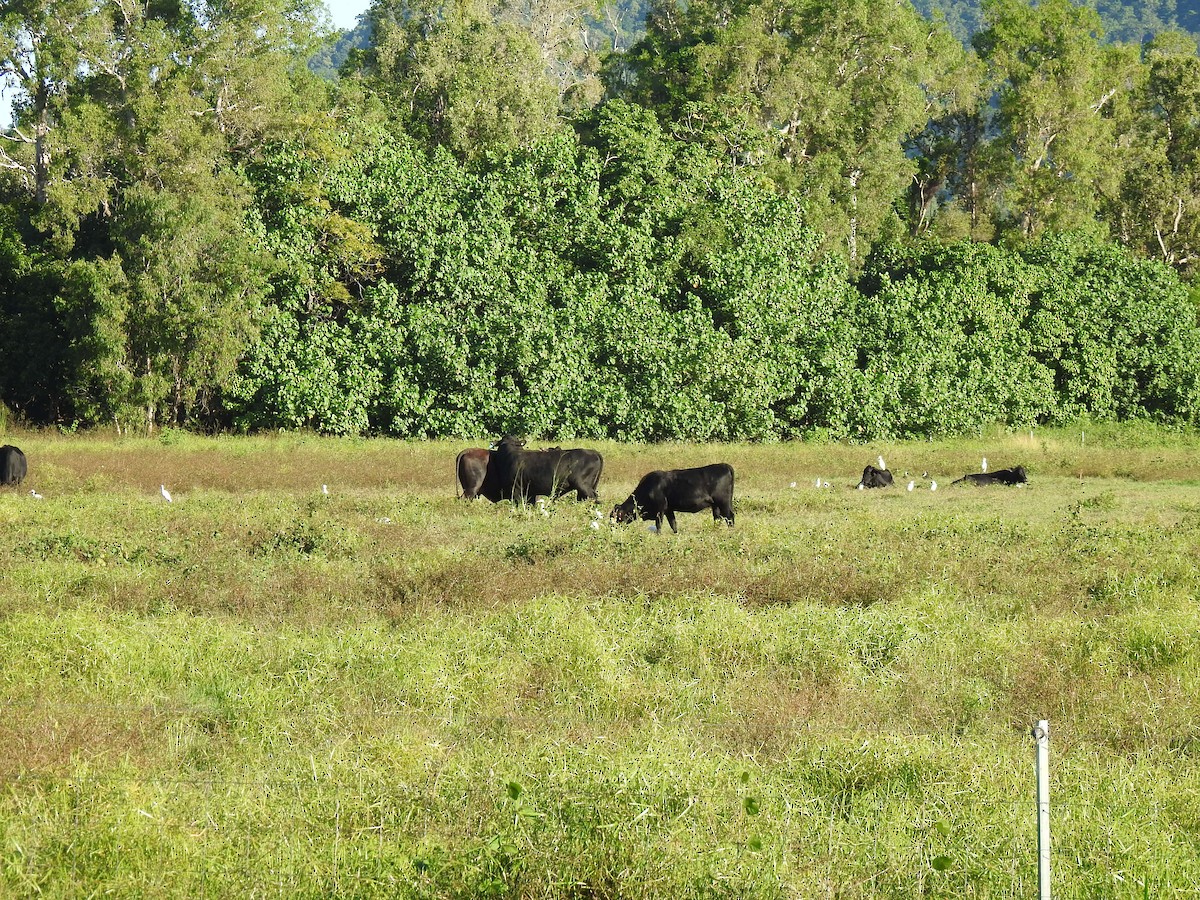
(721, 220)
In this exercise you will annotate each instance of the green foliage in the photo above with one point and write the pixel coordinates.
(628, 284)
(551, 293)
(956, 338)
(458, 237)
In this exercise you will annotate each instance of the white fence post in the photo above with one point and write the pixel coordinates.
(1041, 736)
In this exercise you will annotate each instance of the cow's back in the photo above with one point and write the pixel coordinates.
(699, 487)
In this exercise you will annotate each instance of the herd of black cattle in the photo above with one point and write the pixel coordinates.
(507, 471)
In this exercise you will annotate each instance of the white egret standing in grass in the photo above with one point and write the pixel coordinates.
(35, 495)
(984, 465)
(933, 485)
(166, 495)
(817, 483)
(911, 485)
(324, 489)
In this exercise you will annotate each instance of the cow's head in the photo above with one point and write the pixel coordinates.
(624, 513)
(509, 442)
(1019, 472)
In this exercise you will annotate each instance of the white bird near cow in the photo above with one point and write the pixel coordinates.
(983, 465)
(911, 485)
(817, 483)
(882, 464)
(933, 485)
(166, 495)
(325, 489)
(36, 496)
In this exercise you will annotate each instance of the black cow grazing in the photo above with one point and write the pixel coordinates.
(1001, 476)
(665, 493)
(476, 475)
(522, 474)
(13, 467)
(873, 477)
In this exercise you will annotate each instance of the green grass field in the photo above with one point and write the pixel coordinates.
(263, 691)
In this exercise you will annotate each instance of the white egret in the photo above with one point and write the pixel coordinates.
(984, 465)
(882, 464)
(911, 485)
(35, 495)
(817, 483)
(933, 485)
(595, 525)
(166, 495)
(324, 489)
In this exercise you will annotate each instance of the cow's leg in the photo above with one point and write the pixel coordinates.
(723, 512)
(671, 519)
(658, 523)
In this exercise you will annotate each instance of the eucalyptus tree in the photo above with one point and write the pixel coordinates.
(1062, 95)
(835, 88)
(1157, 209)
(468, 75)
(131, 122)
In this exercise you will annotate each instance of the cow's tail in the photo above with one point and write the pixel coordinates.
(458, 494)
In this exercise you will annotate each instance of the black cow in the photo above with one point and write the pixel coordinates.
(873, 477)
(522, 474)
(665, 493)
(13, 467)
(476, 475)
(1003, 476)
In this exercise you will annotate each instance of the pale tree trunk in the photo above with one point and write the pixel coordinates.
(852, 236)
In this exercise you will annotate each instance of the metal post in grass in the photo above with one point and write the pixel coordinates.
(1041, 737)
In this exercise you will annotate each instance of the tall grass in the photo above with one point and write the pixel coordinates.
(261, 689)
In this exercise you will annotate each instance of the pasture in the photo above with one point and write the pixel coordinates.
(263, 690)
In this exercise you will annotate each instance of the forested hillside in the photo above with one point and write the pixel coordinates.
(701, 220)
(1121, 20)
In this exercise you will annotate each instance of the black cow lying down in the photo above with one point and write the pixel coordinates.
(665, 493)
(13, 467)
(476, 475)
(522, 474)
(873, 477)
(1002, 476)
